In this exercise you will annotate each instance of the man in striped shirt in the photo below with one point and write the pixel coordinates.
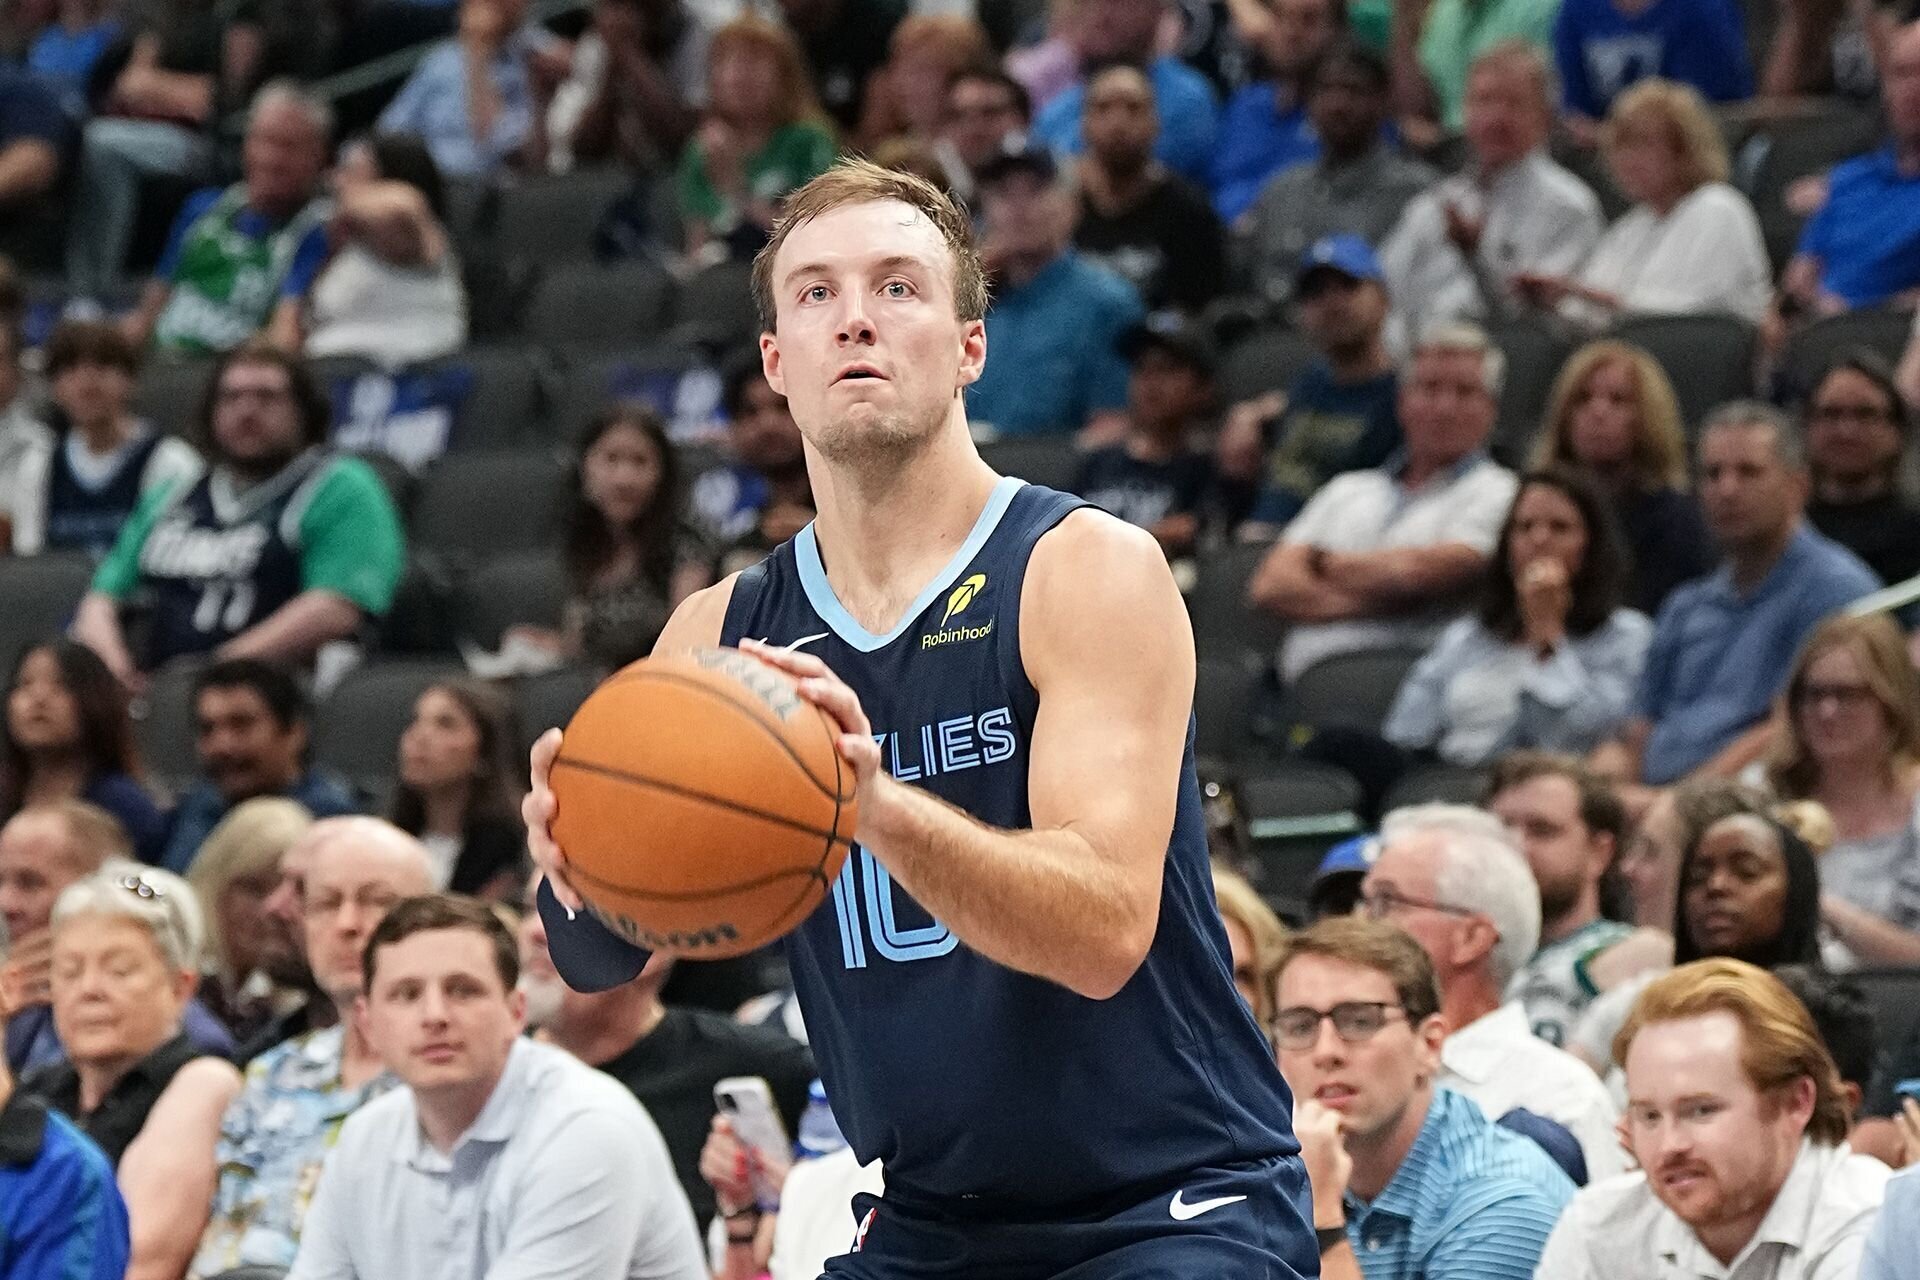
(1410, 1181)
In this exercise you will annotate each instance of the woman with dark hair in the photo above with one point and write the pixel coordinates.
(630, 556)
(68, 736)
(1551, 659)
(1750, 889)
(459, 762)
(1857, 427)
(392, 290)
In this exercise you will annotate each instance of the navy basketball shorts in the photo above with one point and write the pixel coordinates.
(1240, 1222)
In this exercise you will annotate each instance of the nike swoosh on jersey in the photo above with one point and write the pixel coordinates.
(1182, 1211)
(795, 644)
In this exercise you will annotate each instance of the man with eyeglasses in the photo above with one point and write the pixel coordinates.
(1410, 1180)
(1452, 880)
(1856, 436)
(282, 547)
(276, 1134)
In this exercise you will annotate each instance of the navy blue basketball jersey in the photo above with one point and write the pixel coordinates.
(967, 1079)
(217, 562)
(84, 518)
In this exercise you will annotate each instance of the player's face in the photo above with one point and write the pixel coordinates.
(1716, 1150)
(438, 1012)
(1372, 1082)
(866, 346)
(350, 886)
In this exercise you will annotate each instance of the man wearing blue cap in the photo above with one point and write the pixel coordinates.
(1339, 414)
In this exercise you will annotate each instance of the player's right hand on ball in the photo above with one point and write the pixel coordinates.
(538, 810)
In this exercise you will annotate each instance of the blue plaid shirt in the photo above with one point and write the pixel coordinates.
(1471, 1201)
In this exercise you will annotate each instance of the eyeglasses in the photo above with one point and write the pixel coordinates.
(1379, 904)
(1844, 697)
(1354, 1021)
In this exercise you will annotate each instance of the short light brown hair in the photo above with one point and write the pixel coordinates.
(1779, 1043)
(856, 181)
(431, 912)
(1370, 944)
(1240, 903)
(1600, 808)
(1880, 651)
(1659, 458)
(1680, 113)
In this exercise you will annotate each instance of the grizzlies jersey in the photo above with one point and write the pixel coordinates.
(966, 1079)
(216, 562)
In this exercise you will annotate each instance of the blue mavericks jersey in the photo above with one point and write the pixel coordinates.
(965, 1078)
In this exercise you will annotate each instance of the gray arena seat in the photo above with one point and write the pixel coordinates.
(552, 219)
(1350, 690)
(37, 598)
(1709, 359)
(1224, 624)
(357, 727)
(473, 506)
(1267, 359)
(1046, 460)
(521, 588)
(600, 305)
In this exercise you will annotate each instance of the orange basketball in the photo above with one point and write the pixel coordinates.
(702, 805)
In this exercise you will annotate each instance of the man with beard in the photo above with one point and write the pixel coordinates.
(279, 549)
(1137, 219)
(763, 497)
(1736, 1116)
(279, 1130)
(1571, 826)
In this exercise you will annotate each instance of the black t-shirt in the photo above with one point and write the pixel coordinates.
(1143, 493)
(29, 110)
(1170, 246)
(847, 50)
(1669, 543)
(117, 1121)
(674, 1068)
(1883, 531)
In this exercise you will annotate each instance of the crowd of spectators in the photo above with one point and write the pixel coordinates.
(1264, 279)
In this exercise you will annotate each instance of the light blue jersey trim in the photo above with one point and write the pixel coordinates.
(813, 574)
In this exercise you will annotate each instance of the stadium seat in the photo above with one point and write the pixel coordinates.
(1441, 783)
(473, 506)
(1791, 149)
(420, 622)
(1812, 349)
(552, 220)
(1224, 624)
(1266, 360)
(585, 384)
(1895, 995)
(358, 725)
(1296, 810)
(504, 406)
(164, 729)
(1350, 690)
(1224, 695)
(596, 305)
(1709, 359)
(1534, 355)
(548, 701)
(37, 598)
(715, 307)
(1046, 460)
(526, 588)
(169, 394)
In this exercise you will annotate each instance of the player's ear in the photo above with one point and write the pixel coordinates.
(973, 351)
(770, 362)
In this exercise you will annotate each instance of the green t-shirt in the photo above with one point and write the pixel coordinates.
(339, 524)
(1458, 31)
(793, 156)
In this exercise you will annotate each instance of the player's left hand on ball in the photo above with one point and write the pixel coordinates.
(828, 692)
(538, 810)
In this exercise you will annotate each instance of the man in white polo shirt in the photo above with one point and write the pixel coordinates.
(1382, 558)
(501, 1157)
(1736, 1116)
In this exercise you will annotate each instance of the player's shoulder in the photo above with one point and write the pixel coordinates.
(1092, 551)
(699, 620)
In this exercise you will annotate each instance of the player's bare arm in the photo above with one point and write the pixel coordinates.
(1105, 640)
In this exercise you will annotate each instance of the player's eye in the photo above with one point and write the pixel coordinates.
(815, 293)
(899, 289)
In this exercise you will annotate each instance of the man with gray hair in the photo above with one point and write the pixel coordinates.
(1381, 558)
(237, 255)
(276, 1134)
(1450, 876)
(1724, 644)
(1461, 248)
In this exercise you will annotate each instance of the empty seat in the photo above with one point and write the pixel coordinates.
(716, 306)
(472, 506)
(1895, 996)
(586, 385)
(1266, 360)
(1047, 460)
(1350, 690)
(1709, 359)
(548, 700)
(600, 305)
(37, 598)
(1534, 356)
(1441, 783)
(504, 401)
(357, 727)
(1296, 811)
(523, 589)
(169, 394)
(553, 219)
(1810, 351)
(1224, 695)
(1224, 624)
(164, 728)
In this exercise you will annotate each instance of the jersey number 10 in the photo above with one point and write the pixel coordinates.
(872, 886)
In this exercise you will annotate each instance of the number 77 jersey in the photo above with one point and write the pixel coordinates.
(965, 1078)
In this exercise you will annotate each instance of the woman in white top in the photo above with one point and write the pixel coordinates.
(391, 292)
(1689, 245)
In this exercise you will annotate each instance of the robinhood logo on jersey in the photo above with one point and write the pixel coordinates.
(957, 601)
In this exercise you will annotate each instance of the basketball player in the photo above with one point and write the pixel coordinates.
(1019, 996)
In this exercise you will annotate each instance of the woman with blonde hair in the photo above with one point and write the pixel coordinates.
(1613, 414)
(907, 97)
(1254, 937)
(250, 965)
(1849, 738)
(1690, 244)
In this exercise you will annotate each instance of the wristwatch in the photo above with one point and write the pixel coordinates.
(1330, 1236)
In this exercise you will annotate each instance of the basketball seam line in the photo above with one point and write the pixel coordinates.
(607, 771)
(808, 874)
(746, 710)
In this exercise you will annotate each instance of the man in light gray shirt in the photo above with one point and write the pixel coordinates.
(501, 1159)
(1893, 1250)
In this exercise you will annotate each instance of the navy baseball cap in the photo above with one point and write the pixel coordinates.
(587, 955)
(1347, 254)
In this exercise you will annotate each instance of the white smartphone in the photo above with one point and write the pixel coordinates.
(747, 1103)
